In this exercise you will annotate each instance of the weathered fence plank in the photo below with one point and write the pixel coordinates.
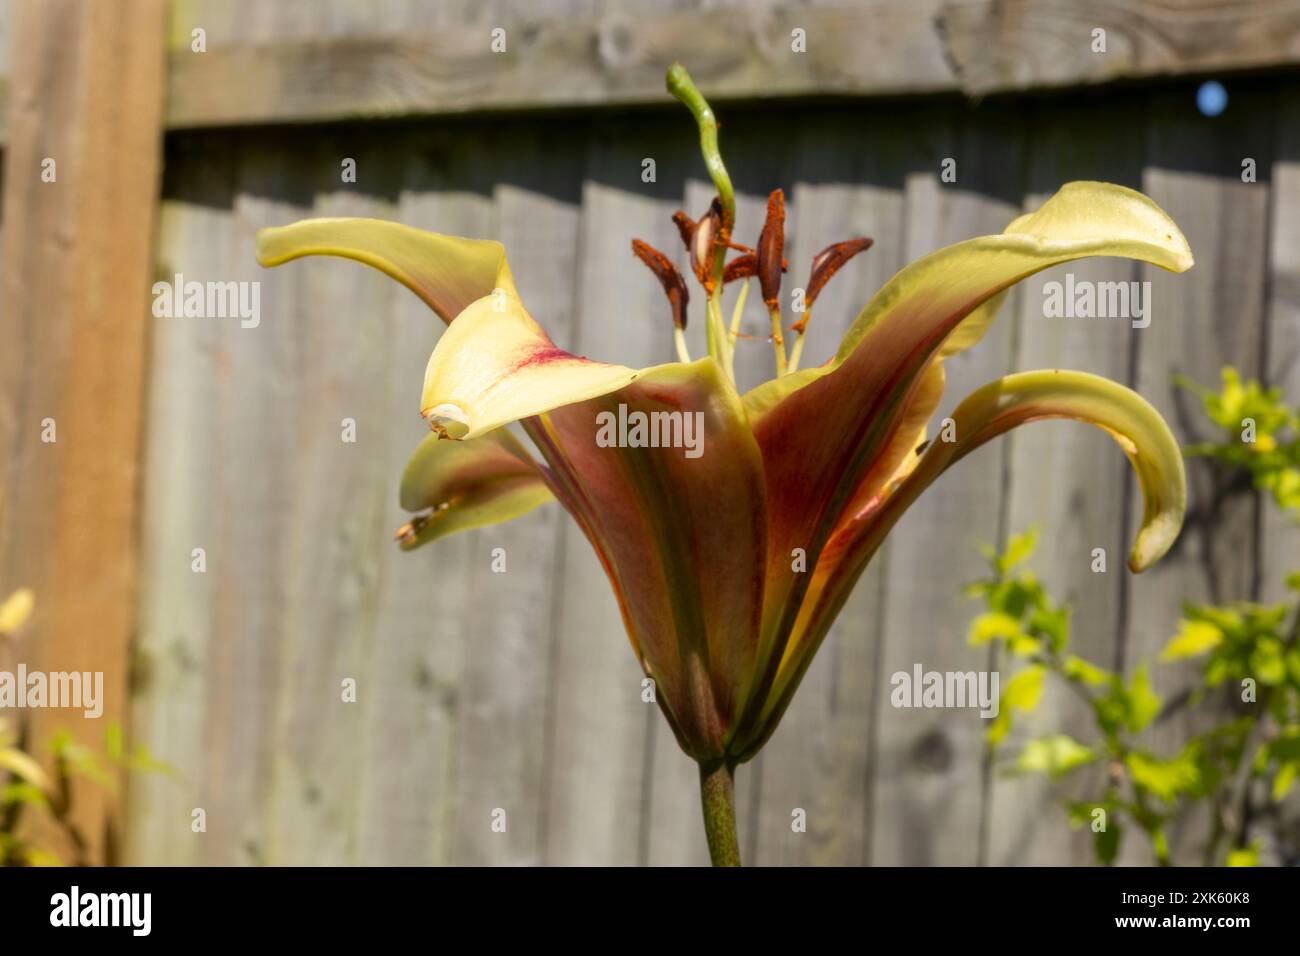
(170, 692)
(1279, 533)
(81, 177)
(1070, 481)
(342, 422)
(929, 781)
(1215, 317)
(578, 57)
(846, 182)
(510, 648)
(424, 622)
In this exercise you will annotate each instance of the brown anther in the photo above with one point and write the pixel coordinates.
(828, 262)
(741, 267)
(771, 244)
(668, 276)
(406, 534)
(685, 227)
(708, 233)
(703, 239)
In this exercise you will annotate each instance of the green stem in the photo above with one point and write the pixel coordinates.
(778, 342)
(717, 793)
(679, 340)
(718, 333)
(683, 87)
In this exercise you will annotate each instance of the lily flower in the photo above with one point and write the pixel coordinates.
(730, 566)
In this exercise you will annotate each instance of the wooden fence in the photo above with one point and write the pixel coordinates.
(479, 690)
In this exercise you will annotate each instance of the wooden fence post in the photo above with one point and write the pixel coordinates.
(80, 192)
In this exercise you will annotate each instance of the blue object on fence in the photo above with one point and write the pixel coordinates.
(1211, 98)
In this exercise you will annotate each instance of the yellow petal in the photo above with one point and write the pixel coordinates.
(1081, 219)
(15, 610)
(1120, 411)
(495, 365)
(986, 413)
(468, 484)
(447, 272)
(25, 768)
(822, 432)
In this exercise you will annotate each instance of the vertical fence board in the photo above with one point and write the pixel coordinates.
(1213, 316)
(339, 471)
(409, 758)
(1280, 544)
(86, 93)
(1069, 480)
(509, 649)
(929, 788)
(171, 653)
(846, 183)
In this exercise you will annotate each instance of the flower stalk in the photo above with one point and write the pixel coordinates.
(718, 795)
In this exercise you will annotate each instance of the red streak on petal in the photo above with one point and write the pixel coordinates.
(540, 356)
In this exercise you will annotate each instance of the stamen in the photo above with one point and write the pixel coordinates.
(742, 267)
(737, 311)
(686, 227)
(702, 238)
(673, 284)
(704, 245)
(771, 244)
(405, 535)
(824, 265)
(828, 262)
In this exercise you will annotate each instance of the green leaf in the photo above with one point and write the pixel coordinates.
(993, 626)
(1159, 842)
(1244, 856)
(1000, 727)
(1285, 779)
(20, 791)
(1053, 623)
(1267, 662)
(1056, 756)
(1106, 843)
(1020, 547)
(1024, 689)
(1165, 778)
(1143, 702)
(1193, 639)
(1016, 596)
(1022, 693)
(114, 746)
(1272, 458)
(1076, 668)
